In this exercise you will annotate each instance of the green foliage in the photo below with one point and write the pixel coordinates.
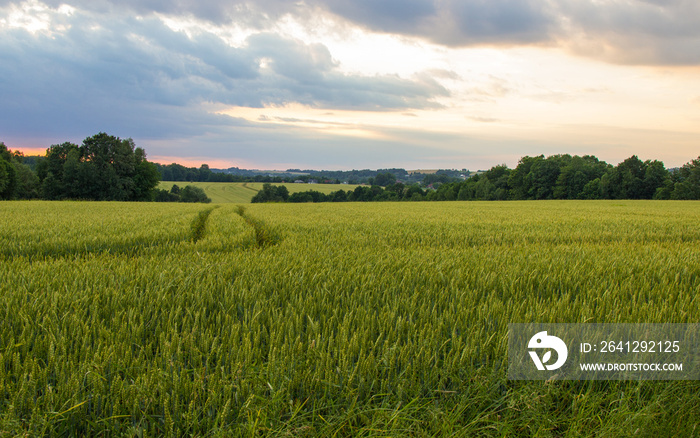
(102, 168)
(687, 181)
(146, 177)
(8, 177)
(177, 172)
(576, 174)
(189, 194)
(383, 179)
(300, 197)
(107, 168)
(554, 177)
(162, 195)
(270, 193)
(193, 194)
(438, 178)
(27, 186)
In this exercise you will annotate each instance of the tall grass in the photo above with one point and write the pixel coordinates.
(365, 320)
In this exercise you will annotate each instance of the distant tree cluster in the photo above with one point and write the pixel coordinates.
(554, 177)
(177, 172)
(393, 192)
(438, 178)
(186, 194)
(102, 168)
(270, 193)
(380, 177)
(383, 179)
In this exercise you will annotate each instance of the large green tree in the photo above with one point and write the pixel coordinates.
(104, 167)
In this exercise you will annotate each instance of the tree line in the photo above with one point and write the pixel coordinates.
(102, 168)
(178, 172)
(105, 167)
(554, 177)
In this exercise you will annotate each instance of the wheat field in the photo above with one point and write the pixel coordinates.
(351, 319)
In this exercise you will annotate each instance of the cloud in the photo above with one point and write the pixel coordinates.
(634, 32)
(451, 22)
(629, 32)
(89, 72)
(103, 65)
(509, 22)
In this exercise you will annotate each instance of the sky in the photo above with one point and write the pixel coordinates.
(338, 84)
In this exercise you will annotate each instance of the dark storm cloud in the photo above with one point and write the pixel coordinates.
(634, 31)
(139, 75)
